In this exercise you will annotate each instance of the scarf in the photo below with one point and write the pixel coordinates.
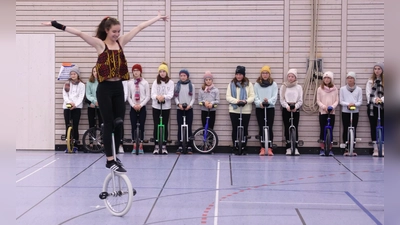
(243, 93)
(137, 89)
(208, 89)
(178, 87)
(265, 83)
(287, 85)
(351, 89)
(68, 84)
(328, 89)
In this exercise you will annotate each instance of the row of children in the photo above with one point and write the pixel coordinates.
(137, 93)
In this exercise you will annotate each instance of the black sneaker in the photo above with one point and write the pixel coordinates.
(179, 150)
(115, 166)
(189, 150)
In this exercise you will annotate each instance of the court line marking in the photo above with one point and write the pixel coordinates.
(300, 203)
(363, 208)
(301, 217)
(217, 195)
(36, 170)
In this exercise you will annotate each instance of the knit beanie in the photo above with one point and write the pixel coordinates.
(164, 67)
(266, 68)
(185, 71)
(328, 74)
(380, 64)
(241, 70)
(75, 69)
(292, 71)
(208, 74)
(138, 67)
(351, 74)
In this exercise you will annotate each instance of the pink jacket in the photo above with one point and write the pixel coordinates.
(327, 97)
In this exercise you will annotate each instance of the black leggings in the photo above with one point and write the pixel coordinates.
(286, 122)
(235, 123)
(156, 120)
(323, 120)
(142, 119)
(110, 96)
(270, 123)
(76, 116)
(373, 121)
(211, 121)
(91, 117)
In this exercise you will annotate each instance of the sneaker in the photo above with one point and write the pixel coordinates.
(322, 152)
(179, 150)
(270, 153)
(331, 153)
(115, 166)
(120, 163)
(189, 150)
(156, 150)
(121, 149)
(244, 151)
(262, 152)
(346, 152)
(75, 150)
(164, 150)
(288, 151)
(134, 151)
(296, 152)
(141, 151)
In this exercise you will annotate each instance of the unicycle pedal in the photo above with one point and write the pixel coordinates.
(103, 195)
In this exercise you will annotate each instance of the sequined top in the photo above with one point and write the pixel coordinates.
(112, 63)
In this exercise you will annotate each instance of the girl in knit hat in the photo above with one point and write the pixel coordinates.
(73, 94)
(265, 90)
(375, 95)
(291, 93)
(184, 93)
(91, 98)
(327, 96)
(350, 95)
(162, 91)
(208, 95)
(138, 96)
(240, 89)
(112, 69)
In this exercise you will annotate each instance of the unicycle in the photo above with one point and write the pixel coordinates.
(350, 135)
(292, 133)
(204, 139)
(69, 137)
(379, 129)
(137, 140)
(328, 134)
(240, 138)
(184, 138)
(160, 138)
(265, 136)
(92, 139)
(117, 191)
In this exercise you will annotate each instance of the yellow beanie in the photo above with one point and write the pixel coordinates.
(164, 67)
(266, 68)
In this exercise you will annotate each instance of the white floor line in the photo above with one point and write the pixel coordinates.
(300, 203)
(37, 170)
(216, 195)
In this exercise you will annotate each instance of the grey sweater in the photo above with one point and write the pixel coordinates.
(212, 96)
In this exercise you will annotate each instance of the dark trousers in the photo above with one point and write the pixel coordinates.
(346, 124)
(286, 116)
(156, 120)
(270, 123)
(373, 121)
(92, 117)
(189, 121)
(235, 123)
(110, 96)
(76, 116)
(211, 121)
(323, 121)
(134, 119)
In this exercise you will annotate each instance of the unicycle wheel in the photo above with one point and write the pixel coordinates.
(118, 200)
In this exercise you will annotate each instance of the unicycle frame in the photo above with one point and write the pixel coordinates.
(137, 139)
(205, 147)
(240, 138)
(69, 136)
(184, 139)
(351, 140)
(292, 131)
(380, 140)
(328, 142)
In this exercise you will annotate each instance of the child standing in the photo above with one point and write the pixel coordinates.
(208, 95)
(291, 93)
(138, 96)
(327, 96)
(184, 93)
(240, 89)
(350, 95)
(93, 105)
(73, 94)
(162, 91)
(265, 90)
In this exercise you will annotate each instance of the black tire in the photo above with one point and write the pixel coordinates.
(351, 142)
(327, 144)
(137, 140)
(184, 141)
(119, 200)
(204, 146)
(240, 139)
(160, 137)
(379, 142)
(92, 140)
(266, 138)
(292, 135)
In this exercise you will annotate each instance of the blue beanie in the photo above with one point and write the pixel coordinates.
(185, 71)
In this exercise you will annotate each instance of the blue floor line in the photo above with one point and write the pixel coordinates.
(363, 208)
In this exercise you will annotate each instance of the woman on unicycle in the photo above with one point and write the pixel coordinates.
(138, 96)
(291, 93)
(240, 89)
(327, 95)
(375, 102)
(350, 96)
(265, 90)
(184, 93)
